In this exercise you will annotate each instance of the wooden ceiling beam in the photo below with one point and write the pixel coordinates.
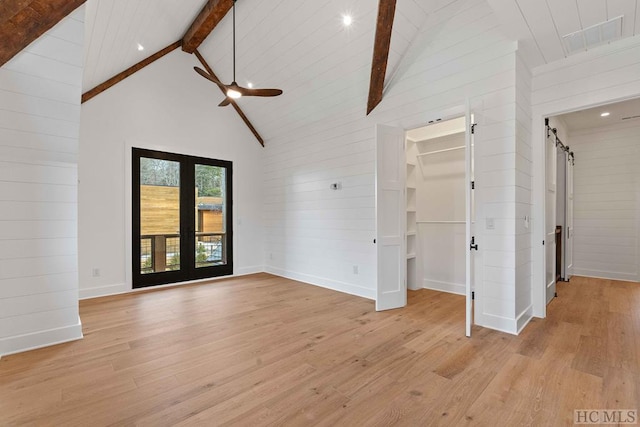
(22, 22)
(382, 43)
(233, 103)
(129, 71)
(210, 15)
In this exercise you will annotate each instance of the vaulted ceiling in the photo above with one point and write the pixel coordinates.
(539, 25)
(303, 47)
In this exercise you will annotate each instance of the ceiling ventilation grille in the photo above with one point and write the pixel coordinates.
(593, 36)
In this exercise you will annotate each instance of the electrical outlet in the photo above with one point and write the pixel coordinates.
(490, 224)
(95, 272)
(355, 269)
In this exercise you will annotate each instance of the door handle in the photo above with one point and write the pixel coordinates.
(473, 245)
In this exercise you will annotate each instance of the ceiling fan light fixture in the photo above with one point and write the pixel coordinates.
(234, 94)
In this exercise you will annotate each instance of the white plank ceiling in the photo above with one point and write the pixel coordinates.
(539, 25)
(303, 48)
(115, 27)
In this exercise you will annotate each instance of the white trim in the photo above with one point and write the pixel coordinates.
(499, 323)
(118, 289)
(524, 318)
(35, 340)
(103, 291)
(334, 285)
(449, 287)
(609, 275)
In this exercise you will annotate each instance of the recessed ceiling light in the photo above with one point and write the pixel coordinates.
(140, 47)
(605, 114)
(347, 20)
(250, 85)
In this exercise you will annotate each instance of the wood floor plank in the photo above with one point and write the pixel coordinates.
(262, 350)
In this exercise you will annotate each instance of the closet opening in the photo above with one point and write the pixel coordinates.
(439, 200)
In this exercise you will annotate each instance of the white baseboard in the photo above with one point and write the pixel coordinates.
(346, 288)
(244, 271)
(452, 288)
(524, 318)
(611, 275)
(103, 291)
(499, 323)
(32, 341)
(123, 288)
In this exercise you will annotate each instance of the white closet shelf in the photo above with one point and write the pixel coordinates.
(441, 222)
(411, 210)
(441, 151)
(411, 164)
(411, 256)
(411, 233)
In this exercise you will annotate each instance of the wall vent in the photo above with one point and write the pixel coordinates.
(631, 117)
(595, 35)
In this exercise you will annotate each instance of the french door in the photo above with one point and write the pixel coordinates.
(182, 218)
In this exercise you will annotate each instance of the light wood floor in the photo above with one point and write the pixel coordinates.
(262, 350)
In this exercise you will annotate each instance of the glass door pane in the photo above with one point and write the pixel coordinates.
(182, 226)
(210, 215)
(159, 215)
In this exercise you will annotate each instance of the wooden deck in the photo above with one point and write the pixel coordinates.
(262, 350)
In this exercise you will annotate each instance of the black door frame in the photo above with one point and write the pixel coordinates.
(188, 270)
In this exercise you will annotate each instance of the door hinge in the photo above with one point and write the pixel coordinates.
(473, 295)
(473, 185)
(473, 245)
(543, 243)
(473, 128)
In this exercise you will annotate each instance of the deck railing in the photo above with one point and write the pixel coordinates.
(161, 252)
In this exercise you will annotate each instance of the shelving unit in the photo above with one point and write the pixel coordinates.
(411, 151)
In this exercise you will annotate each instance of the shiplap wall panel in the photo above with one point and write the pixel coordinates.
(597, 77)
(523, 183)
(36, 248)
(39, 126)
(465, 56)
(13, 81)
(607, 201)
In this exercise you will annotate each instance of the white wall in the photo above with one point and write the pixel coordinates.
(318, 235)
(603, 75)
(607, 201)
(441, 186)
(39, 121)
(166, 106)
(523, 196)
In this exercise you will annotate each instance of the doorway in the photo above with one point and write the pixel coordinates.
(181, 218)
(403, 257)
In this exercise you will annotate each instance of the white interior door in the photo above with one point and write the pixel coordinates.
(568, 243)
(468, 171)
(471, 126)
(550, 217)
(391, 286)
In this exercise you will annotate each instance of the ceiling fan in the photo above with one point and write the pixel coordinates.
(234, 90)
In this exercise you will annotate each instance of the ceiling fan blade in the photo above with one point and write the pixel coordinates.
(225, 102)
(260, 92)
(208, 76)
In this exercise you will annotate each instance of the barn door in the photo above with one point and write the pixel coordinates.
(391, 287)
(568, 244)
(550, 216)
